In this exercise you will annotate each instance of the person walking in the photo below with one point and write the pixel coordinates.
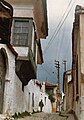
(41, 105)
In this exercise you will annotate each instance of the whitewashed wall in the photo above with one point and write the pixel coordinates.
(23, 11)
(38, 95)
(15, 100)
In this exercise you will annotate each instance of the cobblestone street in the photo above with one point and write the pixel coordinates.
(46, 116)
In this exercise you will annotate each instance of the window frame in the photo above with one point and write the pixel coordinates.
(29, 42)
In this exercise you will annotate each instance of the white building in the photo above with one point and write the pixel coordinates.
(20, 53)
(36, 91)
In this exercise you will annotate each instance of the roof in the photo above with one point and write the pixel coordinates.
(40, 10)
(38, 82)
(45, 15)
(12, 49)
(40, 54)
(78, 10)
(47, 84)
(7, 7)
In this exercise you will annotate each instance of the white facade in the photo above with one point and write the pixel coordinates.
(39, 94)
(15, 99)
(18, 101)
(19, 97)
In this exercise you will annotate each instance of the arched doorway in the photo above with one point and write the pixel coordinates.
(2, 78)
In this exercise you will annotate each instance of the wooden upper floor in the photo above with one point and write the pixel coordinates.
(36, 9)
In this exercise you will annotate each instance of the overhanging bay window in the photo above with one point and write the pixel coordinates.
(22, 32)
(23, 35)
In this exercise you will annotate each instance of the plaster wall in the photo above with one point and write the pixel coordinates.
(23, 11)
(82, 65)
(82, 42)
(16, 100)
(79, 105)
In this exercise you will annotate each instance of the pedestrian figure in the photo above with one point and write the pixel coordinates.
(41, 105)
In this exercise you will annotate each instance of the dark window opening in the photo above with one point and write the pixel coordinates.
(22, 87)
(45, 100)
(32, 99)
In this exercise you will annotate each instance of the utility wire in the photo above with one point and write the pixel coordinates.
(47, 71)
(57, 31)
(58, 27)
(60, 45)
(58, 24)
(51, 41)
(47, 65)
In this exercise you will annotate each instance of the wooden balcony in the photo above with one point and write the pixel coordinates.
(26, 68)
(38, 8)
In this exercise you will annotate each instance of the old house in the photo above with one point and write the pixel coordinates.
(68, 91)
(22, 25)
(51, 90)
(35, 91)
(78, 62)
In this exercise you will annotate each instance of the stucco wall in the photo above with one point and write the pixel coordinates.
(9, 79)
(15, 100)
(82, 64)
(79, 105)
(38, 95)
(22, 101)
(82, 41)
(23, 11)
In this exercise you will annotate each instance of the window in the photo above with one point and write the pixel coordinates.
(45, 100)
(32, 99)
(21, 32)
(22, 87)
(29, 101)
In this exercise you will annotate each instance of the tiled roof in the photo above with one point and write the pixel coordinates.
(47, 84)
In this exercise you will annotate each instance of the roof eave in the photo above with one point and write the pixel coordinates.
(40, 54)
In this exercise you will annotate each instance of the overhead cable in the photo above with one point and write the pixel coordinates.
(58, 27)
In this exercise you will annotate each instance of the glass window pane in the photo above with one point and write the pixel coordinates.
(16, 36)
(17, 30)
(25, 24)
(25, 30)
(17, 24)
(21, 29)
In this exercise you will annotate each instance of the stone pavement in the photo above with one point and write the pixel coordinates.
(47, 116)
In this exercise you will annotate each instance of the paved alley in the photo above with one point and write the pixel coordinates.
(46, 116)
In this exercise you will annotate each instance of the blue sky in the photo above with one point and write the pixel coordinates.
(57, 45)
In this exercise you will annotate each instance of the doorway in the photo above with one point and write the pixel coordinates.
(2, 79)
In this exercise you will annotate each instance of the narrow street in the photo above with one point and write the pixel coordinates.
(47, 116)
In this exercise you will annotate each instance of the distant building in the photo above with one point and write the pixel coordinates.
(51, 89)
(22, 25)
(35, 91)
(68, 91)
